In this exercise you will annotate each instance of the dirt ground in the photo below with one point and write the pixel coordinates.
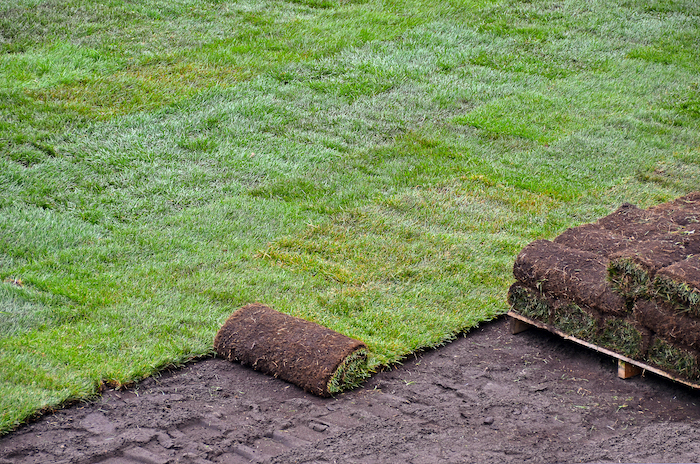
(489, 397)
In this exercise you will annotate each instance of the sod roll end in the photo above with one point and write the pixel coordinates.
(315, 358)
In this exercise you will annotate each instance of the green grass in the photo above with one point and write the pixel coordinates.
(672, 358)
(575, 321)
(350, 373)
(530, 304)
(629, 278)
(621, 337)
(681, 295)
(371, 166)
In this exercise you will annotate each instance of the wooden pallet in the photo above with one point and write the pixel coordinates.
(626, 367)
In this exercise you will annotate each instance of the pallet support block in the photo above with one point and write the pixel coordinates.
(517, 326)
(626, 370)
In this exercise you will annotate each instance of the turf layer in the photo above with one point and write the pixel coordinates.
(371, 166)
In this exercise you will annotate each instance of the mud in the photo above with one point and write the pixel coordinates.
(488, 397)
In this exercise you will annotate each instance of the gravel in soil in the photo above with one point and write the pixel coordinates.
(488, 397)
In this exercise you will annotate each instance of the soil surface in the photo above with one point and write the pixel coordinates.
(488, 397)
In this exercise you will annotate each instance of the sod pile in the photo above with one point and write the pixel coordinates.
(629, 282)
(317, 359)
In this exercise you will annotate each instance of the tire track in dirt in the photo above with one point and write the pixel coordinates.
(488, 397)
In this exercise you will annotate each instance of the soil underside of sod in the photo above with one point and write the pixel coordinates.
(306, 354)
(628, 282)
(488, 397)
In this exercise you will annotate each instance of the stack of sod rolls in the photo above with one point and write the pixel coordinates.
(629, 282)
(317, 359)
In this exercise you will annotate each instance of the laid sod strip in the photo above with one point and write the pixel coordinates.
(679, 284)
(317, 359)
(569, 274)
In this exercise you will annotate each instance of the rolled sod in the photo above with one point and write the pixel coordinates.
(593, 238)
(315, 358)
(530, 303)
(679, 284)
(565, 273)
(684, 210)
(668, 324)
(673, 358)
(623, 336)
(639, 224)
(566, 316)
(631, 271)
(576, 321)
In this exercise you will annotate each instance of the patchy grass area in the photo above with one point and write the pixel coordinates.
(371, 166)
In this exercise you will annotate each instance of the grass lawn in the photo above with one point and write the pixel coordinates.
(374, 166)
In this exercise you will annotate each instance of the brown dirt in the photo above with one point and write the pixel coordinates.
(488, 397)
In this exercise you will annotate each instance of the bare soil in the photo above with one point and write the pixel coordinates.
(488, 397)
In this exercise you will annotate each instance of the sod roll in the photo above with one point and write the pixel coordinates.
(667, 323)
(673, 358)
(565, 273)
(593, 238)
(684, 211)
(679, 284)
(630, 282)
(652, 255)
(625, 336)
(317, 359)
(631, 271)
(638, 224)
(531, 303)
